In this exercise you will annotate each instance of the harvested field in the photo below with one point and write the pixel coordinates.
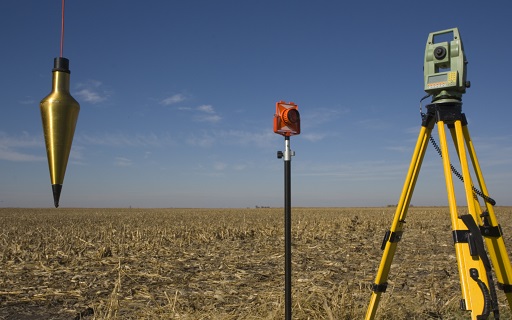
(225, 264)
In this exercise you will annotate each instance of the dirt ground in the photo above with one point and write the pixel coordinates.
(225, 264)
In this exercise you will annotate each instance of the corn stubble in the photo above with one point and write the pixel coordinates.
(224, 264)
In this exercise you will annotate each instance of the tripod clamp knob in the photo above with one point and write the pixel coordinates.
(281, 154)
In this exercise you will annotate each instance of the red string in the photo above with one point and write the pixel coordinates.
(62, 31)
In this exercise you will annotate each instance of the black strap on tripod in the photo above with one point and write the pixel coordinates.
(431, 115)
(459, 175)
(476, 247)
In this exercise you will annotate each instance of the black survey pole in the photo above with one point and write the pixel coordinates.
(287, 123)
(287, 234)
(287, 229)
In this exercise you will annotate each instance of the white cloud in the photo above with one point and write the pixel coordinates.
(213, 118)
(263, 138)
(24, 140)
(219, 166)
(173, 99)
(125, 140)
(206, 140)
(356, 171)
(240, 167)
(91, 91)
(219, 169)
(203, 113)
(206, 108)
(29, 102)
(260, 138)
(313, 137)
(15, 156)
(89, 95)
(207, 114)
(319, 116)
(123, 162)
(76, 155)
(10, 145)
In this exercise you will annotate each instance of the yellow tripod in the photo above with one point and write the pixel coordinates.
(469, 230)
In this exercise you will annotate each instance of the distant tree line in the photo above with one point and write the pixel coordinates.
(396, 205)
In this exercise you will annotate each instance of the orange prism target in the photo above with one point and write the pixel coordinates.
(287, 119)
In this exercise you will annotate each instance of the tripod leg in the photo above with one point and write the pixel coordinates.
(472, 271)
(491, 230)
(395, 233)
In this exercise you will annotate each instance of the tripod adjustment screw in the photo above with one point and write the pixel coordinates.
(280, 154)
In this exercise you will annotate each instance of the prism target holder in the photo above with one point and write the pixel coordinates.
(287, 119)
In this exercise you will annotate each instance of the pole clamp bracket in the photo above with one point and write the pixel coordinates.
(391, 237)
(379, 287)
(507, 288)
(489, 231)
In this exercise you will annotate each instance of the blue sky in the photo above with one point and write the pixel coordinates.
(177, 100)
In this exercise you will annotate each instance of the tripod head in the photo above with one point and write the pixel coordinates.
(445, 66)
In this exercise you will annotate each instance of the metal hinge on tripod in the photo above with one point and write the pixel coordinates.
(392, 237)
(464, 236)
(379, 287)
(487, 230)
(507, 288)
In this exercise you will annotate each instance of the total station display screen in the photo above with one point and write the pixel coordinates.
(438, 78)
